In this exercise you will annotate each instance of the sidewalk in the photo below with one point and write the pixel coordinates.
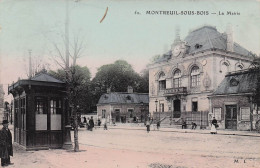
(140, 126)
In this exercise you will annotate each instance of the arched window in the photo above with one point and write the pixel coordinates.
(177, 78)
(195, 76)
(162, 81)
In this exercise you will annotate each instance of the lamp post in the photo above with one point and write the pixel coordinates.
(142, 109)
(156, 101)
(171, 113)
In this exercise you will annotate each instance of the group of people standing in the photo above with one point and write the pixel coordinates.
(149, 122)
(213, 130)
(89, 123)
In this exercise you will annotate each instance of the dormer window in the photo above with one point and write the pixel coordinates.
(128, 97)
(106, 97)
(233, 82)
(197, 46)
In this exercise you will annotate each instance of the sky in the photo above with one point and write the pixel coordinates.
(127, 31)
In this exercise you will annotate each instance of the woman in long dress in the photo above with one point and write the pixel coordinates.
(148, 125)
(213, 129)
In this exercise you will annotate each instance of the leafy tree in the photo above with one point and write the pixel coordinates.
(80, 81)
(255, 67)
(143, 85)
(118, 76)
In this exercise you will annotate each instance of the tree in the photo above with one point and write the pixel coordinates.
(255, 67)
(118, 76)
(73, 79)
(34, 64)
(82, 76)
(143, 85)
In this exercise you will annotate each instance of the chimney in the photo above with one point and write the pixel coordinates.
(230, 42)
(130, 89)
(109, 90)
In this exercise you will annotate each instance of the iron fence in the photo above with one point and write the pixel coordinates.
(198, 117)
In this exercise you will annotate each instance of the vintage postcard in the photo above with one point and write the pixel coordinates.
(129, 84)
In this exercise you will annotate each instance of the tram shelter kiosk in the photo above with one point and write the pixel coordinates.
(39, 112)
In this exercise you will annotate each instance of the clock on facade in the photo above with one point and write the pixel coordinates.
(177, 50)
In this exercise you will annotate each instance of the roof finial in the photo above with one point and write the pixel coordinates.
(177, 34)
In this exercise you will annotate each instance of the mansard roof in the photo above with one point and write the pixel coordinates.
(124, 98)
(208, 38)
(238, 82)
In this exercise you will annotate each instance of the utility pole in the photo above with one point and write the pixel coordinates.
(67, 36)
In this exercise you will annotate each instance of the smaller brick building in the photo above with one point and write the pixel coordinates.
(123, 106)
(232, 102)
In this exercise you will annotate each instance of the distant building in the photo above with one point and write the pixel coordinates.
(123, 106)
(232, 102)
(181, 80)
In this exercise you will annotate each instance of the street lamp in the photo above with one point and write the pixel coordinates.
(171, 113)
(142, 111)
(156, 101)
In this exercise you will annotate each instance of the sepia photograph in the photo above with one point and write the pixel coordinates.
(130, 84)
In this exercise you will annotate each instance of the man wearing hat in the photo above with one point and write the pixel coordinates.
(6, 148)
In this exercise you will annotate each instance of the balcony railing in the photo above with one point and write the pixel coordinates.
(174, 91)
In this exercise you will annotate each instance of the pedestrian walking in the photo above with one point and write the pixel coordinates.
(184, 124)
(193, 125)
(105, 126)
(87, 124)
(104, 121)
(99, 122)
(148, 125)
(6, 147)
(158, 125)
(91, 123)
(214, 125)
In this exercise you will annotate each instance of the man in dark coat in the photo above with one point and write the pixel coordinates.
(6, 147)
(91, 123)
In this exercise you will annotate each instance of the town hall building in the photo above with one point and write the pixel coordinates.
(181, 80)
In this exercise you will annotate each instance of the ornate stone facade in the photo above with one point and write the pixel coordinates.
(181, 79)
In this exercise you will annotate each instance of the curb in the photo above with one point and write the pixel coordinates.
(195, 132)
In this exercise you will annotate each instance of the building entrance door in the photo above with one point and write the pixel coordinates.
(231, 117)
(177, 108)
(117, 113)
